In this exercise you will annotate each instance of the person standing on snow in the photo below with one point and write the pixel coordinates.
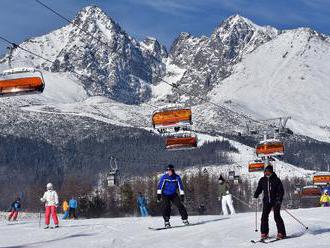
(14, 208)
(65, 208)
(167, 192)
(50, 199)
(141, 202)
(273, 193)
(73, 205)
(225, 196)
(325, 199)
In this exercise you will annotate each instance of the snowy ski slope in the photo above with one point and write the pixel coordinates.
(212, 231)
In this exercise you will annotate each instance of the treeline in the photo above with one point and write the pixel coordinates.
(26, 165)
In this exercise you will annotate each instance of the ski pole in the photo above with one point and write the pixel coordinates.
(39, 217)
(246, 204)
(256, 219)
(296, 219)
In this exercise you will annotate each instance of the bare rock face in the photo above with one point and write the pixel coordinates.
(208, 60)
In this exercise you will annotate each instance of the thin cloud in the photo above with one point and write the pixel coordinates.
(173, 7)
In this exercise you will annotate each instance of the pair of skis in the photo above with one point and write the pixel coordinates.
(172, 227)
(270, 240)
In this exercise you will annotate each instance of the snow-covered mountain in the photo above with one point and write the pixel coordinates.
(287, 76)
(108, 63)
(208, 60)
(250, 72)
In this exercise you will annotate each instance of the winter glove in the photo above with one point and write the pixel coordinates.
(219, 198)
(159, 197)
(182, 198)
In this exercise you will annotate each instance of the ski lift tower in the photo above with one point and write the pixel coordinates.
(113, 174)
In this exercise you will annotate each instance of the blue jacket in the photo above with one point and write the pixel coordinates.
(169, 185)
(16, 206)
(141, 201)
(73, 203)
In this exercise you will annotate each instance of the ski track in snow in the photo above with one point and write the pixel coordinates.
(214, 231)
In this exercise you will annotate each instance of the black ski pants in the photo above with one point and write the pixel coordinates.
(72, 213)
(167, 202)
(267, 208)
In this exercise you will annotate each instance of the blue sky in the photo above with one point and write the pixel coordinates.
(163, 19)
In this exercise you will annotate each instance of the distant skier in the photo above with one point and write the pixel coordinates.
(273, 193)
(141, 202)
(65, 208)
(325, 199)
(73, 205)
(169, 185)
(225, 197)
(14, 209)
(50, 198)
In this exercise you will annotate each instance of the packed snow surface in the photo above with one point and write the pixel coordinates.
(212, 231)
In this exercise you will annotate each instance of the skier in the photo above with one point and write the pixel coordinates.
(273, 193)
(65, 208)
(14, 208)
(325, 199)
(225, 196)
(73, 205)
(168, 186)
(50, 199)
(141, 202)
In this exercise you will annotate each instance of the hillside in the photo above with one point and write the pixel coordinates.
(101, 92)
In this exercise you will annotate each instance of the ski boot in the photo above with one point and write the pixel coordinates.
(56, 226)
(264, 236)
(167, 224)
(185, 222)
(46, 227)
(280, 236)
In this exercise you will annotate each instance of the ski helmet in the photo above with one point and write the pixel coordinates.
(170, 167)
(49, 186)
(269, 168)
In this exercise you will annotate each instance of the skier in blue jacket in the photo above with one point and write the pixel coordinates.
(141, 202)
(73, 205)
(169, 185)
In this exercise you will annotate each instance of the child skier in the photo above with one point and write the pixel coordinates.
(168, 186)
(14, 208)
(273, 193)
(141, 202)
(50, 198)
(65, 208)
(325, 199)
(73, 205)
(225, 196)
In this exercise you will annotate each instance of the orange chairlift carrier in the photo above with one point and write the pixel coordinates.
(256, 166)
(171, 117)
(21, 81)
(180, 141)
(322, 178)
(270, 147)
(311, 191)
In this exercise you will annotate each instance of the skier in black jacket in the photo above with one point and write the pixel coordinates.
(273, 193)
